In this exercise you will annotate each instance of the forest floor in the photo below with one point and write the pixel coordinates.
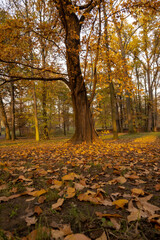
(105, 191)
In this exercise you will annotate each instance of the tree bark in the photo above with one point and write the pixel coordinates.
(128, 98)
(111, 86)
(13, 111)
(4, 119)
(35, 113)
(84, 126)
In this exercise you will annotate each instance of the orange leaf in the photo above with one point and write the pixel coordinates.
(77, 236)
(120, 203)
(38, 210)
(137, 191)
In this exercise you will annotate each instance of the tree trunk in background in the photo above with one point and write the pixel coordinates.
(128, 98)
(35, 113)
(150, 106)
(13, 111)
(111, 86)
(44, 98)
(45, 122)
(4, 119)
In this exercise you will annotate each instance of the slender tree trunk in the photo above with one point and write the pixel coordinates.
(35, 113)
(150, 107)
(128, 97)
(45, 122)
(4, 119)
(155, 109)
(13, 111)
(111, 86)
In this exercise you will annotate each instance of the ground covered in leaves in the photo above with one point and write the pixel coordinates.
(105, 191)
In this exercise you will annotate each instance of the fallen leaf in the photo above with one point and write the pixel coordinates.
(57, 234)
(70, 192)
(21, 177)
(30, 220)
(78, 186)
(41, 199)
(77, 236)
(35, 233)
(4, 186)
(38, 210)
(58, 204)
(137, 191)
(70, 176)
(30, 199)
(121, 179)
(157, 187)
(116, 225)
(57, 184)
(66, 229)
(107, 215)
(102, 237)
(38, 193)
(135, 214)
(120, 203)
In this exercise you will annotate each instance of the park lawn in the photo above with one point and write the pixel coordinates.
(56, 190)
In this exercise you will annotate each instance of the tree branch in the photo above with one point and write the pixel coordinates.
(27, 65)
(18, 78)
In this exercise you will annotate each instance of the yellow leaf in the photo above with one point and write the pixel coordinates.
(70, 192)
(120, 203)
(38, 193)
(70, 176)
(137, 191)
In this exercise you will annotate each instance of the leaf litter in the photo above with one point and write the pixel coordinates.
(90, 190)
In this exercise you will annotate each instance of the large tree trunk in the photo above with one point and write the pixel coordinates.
(84, 125)
(4, 119)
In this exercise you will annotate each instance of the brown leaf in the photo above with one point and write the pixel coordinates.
(41, 199)
(135, 214)
(102, 237)
(57, 234)
(58, 204)
(30, 220)
(157, 187)
(78, 186)
(107, 215)
(38, 210)
(115, 223)
(121, 180)
(66, 229)
(4, 186)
